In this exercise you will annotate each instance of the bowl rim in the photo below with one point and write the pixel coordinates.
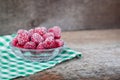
(10, 43)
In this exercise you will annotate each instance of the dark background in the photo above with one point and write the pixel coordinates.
(68, 14)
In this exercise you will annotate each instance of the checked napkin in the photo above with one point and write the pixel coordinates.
(12, 66)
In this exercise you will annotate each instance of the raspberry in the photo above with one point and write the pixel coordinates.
(18, 45)
(48, 43)
(37, 38)
(49, 34)
(40, 46)
(59, 43)
(20, 31)
(22, 38)
(56, 30)
(31, 32)
(40, 30)
(30, 45)
(14, 41)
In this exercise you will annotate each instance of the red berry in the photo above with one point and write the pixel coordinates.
(59, 43)
(31, 32)
(22, 38)
(37, 38)
(19, 46)
(30, 45)
(40, 46)
(48, 43)
(40, 30)
(56, 30)
(14, 41)
(20, 31)
(49, 34)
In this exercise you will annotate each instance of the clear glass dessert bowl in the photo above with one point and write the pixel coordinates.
(35, 54)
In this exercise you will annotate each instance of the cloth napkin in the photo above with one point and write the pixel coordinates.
(12, 66)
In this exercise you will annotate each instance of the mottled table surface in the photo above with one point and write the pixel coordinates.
(100, 61)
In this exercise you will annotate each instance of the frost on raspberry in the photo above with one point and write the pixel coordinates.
(59, 42)
(40, 30)
(48, 43)
(31, 32)
(37, 38)
(40, 46)
(56, 30)
(14, 41)
(30, 45)
(22, 38)
(49, 34)
(20, 31)
(19, 46)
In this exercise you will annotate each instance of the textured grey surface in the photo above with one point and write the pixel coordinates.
(100, 61)
(69, 14)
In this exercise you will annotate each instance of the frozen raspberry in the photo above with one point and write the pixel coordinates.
(40, 46)
(22, 38)
(56, 30)
(20, 31)
(31, 32)
(59, 43)
(37, 38)
(40, 30)
(51, 37)
(14, 41)
(49, 34)
(49, 43)
(18, 45)
(30, 45)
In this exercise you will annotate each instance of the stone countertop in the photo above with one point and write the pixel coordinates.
(100, 61)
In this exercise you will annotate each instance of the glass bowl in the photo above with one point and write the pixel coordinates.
(36, 55)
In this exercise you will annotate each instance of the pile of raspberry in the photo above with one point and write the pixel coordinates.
(38, 38)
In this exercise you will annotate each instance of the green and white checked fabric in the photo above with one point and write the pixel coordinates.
(12, 66)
